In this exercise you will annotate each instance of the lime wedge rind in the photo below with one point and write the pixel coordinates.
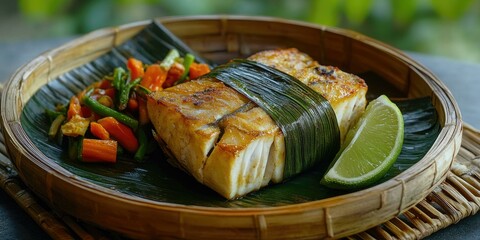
(382, 119)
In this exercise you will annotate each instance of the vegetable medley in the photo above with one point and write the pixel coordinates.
(110, 118)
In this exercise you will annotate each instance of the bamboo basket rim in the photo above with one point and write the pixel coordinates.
(452, 127)
(107, 31)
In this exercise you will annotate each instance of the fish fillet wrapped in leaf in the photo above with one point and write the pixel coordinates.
(229, 143)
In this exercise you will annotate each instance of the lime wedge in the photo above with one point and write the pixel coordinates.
(371, 147)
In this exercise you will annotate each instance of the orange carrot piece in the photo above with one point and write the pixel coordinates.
(132, 104)
(154, 77)
(142, 112)
(174, 74)
(136, 68)
(198, 69)
(74, 107)
(99, 131)
(120, 132)
(96, 150)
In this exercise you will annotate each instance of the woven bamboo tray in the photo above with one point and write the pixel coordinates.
(222, 38)
(454, 199)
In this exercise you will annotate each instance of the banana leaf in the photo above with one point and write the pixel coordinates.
(306, 118)
(155, 179)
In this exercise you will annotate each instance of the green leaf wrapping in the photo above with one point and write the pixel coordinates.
(306, 118)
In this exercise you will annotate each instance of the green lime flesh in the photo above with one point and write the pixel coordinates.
(370, 148)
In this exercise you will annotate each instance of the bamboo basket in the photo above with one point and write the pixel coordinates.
(222, 38)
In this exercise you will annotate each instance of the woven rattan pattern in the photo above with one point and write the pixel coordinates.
(456, 198)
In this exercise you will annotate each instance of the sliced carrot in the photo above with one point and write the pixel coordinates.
(132, 104)
(74, 107)
(120, 132)
(174, 73)
(154, 77)
(198, 69)
(142, 112)
(96, 150)
(99, 131)
(136, 68)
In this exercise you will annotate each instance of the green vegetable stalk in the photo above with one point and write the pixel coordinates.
(108, 112)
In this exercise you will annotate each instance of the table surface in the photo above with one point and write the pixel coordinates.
(462, 78)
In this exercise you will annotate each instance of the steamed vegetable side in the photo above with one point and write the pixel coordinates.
(110, 118)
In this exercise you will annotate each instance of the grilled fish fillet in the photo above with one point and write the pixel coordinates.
(227, 142)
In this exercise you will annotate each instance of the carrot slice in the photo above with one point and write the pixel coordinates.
(154, 77)
(96, 150)
(120, 132)
(74, 107)
(198, 69)
(174, 74)
(132, 104)
(142, 112)
(99, 131)
(136, 68)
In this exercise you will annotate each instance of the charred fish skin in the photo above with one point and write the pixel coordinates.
(230, 144)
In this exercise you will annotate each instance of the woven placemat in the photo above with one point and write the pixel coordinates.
(456, 198)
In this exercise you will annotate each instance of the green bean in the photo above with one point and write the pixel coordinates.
(108, 112)
(142, 145)
(125, 93)
(55, 126)
(169, 59)
(142, 90)
(118, 75)
(187, 61)
(75, 148)
(120, 150)
(52, 115)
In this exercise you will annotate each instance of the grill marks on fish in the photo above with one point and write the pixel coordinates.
(227, 142)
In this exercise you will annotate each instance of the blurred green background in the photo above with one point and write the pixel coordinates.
(449, 28)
